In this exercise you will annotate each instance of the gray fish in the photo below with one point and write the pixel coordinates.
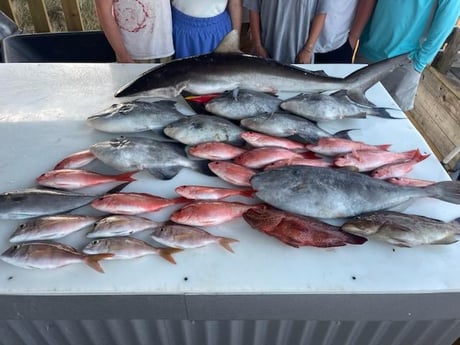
(36, 202)
(51, 227)
(336, 193)
(403, 230)
(285, 125)
(197, 129)
(225, 70)
(123, 248)
(240, 103)
(48, 255)
(185, 237)
(135, 116)
(322, 107)
(163, 160)
(120, 225)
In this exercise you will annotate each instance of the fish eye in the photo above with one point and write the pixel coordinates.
(95, 242)
(16, 247)
(22, 226)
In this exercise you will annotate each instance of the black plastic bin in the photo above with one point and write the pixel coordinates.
(79, 46)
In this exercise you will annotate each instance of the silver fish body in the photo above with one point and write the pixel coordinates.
(163, 160)
(403, 229)
(240, 103)
(51, 227)
(135, 116)
(120, 225)
(285, 125)
(322, 107)
(219, 72)
(337, 193)
(36, 202)
(196, 129)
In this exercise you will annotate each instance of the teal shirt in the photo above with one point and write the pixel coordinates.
(401, 26)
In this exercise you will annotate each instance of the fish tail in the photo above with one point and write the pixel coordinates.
(418, 156)
(181, 200)
(225, 242)
(126, 176)
(447, 191)
(364, 78)
(383, 113)
(93, 260)
(166, 253)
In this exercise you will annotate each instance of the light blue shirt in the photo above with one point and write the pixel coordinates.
(399, 27)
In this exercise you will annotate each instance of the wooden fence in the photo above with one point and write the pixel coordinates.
(39, 15)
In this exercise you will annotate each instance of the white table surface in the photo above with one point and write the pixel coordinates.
(43, 108)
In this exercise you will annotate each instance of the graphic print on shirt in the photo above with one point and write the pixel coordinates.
(132, 15)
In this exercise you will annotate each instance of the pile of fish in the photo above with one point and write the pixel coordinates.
(292, 175)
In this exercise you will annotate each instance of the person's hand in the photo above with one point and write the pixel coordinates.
(304, 56)
(259, 50)
(125, 59)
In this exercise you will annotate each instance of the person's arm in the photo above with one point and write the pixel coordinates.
(362, 15)
(111, 30)
(254, 25)
(317, 24)
(235, 8)
(444, 19)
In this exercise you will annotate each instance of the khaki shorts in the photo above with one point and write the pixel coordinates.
(159, 60)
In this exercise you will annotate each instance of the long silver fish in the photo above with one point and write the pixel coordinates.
(280, 124)
(163, 160)
(197, 129)
(336, 193)
(120, 225)
(48, 255)
(223, 70)
(240, 103)
(402, 229)
(135, 116)
(123, 248)
(51, 227)
(322, 107)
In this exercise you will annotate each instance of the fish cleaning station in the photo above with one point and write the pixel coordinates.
(137, 209)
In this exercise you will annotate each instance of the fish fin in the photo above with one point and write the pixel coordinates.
(383, 113)
(118, 188)
(418, 156)
(93, 260)
(127, 176)
(344, 133)
(166, 253)
(364, 78)
(230, 43)
(357, 116)
(225, 242)
(447, 240)
(165, 173)
(384, 147)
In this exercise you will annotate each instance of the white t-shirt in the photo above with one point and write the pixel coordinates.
(339, 17)
(146, 27)
(201, 8)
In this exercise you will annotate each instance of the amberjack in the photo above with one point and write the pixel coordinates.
(227, 68)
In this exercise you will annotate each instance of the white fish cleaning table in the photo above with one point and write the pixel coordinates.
(358, 290)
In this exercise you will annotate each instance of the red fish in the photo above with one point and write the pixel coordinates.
(368, 160)
(298, 161)
(211, 193)
(232, 173)
(332, 146)
(260, 140)
(298, 231)
(261, 156)
(215, 151)
(70, 179)
(398, 169)
(134, 203)
(207, 213)
(76, 160)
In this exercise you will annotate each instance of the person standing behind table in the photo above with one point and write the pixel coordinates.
(200, 25)
(280, 28)
(333, 43)
(138, 31)
(417, 27)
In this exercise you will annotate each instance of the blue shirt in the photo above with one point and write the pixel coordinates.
(399, 27)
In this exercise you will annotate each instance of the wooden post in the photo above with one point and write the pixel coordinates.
(72, 15)
(39, 16)
(7, 8)
(445, 59)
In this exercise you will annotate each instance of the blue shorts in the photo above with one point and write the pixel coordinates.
(196, 36)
